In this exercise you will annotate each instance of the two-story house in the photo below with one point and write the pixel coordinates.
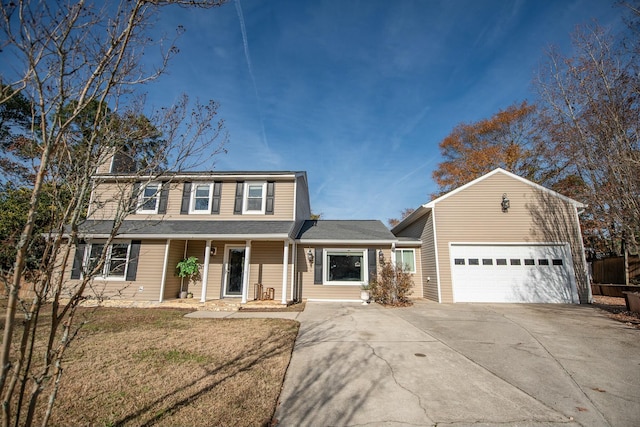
(499, 238)
(245, 228)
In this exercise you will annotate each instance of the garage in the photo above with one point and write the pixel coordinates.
(513, 273)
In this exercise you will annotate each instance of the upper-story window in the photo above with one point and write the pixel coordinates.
(201, 198)
(254, 199)
(149, 198)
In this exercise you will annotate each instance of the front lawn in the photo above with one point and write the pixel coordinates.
(144, 367)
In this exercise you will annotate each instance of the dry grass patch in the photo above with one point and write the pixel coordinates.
(144, 367)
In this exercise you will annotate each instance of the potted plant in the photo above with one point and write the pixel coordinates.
(365, 294)
(187, 268)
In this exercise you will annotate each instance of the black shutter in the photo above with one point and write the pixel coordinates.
(270, 196)
(372, 263)
(164, 197)
(135, 193)
(186, 198)
(317, 268)
(134, 253)
(76, 270)
(215, 202)
(237, 206)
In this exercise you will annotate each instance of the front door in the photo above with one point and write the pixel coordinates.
(234, 269)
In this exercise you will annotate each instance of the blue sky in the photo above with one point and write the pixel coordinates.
(360, 93)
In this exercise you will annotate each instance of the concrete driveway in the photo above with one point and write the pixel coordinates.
(462, 364)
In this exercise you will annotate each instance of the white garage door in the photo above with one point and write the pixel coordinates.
(512, 273)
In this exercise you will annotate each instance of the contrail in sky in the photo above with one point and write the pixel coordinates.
(248, 58)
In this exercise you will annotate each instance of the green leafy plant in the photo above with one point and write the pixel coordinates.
(188, 268)
(392, 286)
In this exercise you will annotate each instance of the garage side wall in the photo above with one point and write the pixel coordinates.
(474, 214)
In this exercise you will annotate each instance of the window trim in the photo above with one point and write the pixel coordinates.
(107, 261)
(364, 266)
(192, 198)
(412, 271)
(141, 198)
(245, 198)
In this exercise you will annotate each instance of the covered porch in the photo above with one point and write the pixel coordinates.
(232, 270)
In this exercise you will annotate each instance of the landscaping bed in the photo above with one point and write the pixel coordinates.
(617, 309)
(132, 366)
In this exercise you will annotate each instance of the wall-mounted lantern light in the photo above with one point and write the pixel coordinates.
(310, 255)
(381, 255)
(505, 203)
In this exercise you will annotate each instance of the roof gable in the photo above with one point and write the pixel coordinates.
(510, 175)
(427, 207)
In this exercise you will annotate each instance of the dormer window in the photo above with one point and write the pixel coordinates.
(149, 198)
(201, 198)
(255, 197)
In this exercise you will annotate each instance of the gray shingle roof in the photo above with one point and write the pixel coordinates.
(351, 230)
(190, 227)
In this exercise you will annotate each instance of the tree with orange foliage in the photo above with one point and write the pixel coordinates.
(405, 213)
(509, 139)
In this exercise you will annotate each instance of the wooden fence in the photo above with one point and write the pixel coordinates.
(611, 270)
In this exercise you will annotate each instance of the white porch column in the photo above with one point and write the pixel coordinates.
(205, 271)
(245, 274)
(294, 261)
(285, 271)
(164, 270)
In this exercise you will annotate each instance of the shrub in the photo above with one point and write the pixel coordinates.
(392, 286)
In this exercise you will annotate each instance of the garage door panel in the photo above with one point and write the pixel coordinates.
(512, 273)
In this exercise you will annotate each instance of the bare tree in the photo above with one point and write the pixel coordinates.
(591, 103)
(77, 64)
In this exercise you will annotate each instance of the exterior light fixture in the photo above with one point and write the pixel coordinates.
(505, 203)
(381, 255)
(310, 255)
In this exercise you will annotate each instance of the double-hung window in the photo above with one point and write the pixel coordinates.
(116, 259)
(345, 267)
(149, 198)
(201, 198)
(406, 259)
(254, 199)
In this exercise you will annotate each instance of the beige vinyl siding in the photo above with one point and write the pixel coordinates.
(266, 268)
(146, 287)
(474, 215)
(303, 205)
(109, 198)
(305, 275)
(428, 258)
(172, 281)
(107, 195)
(417, 277)
(415, 229)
